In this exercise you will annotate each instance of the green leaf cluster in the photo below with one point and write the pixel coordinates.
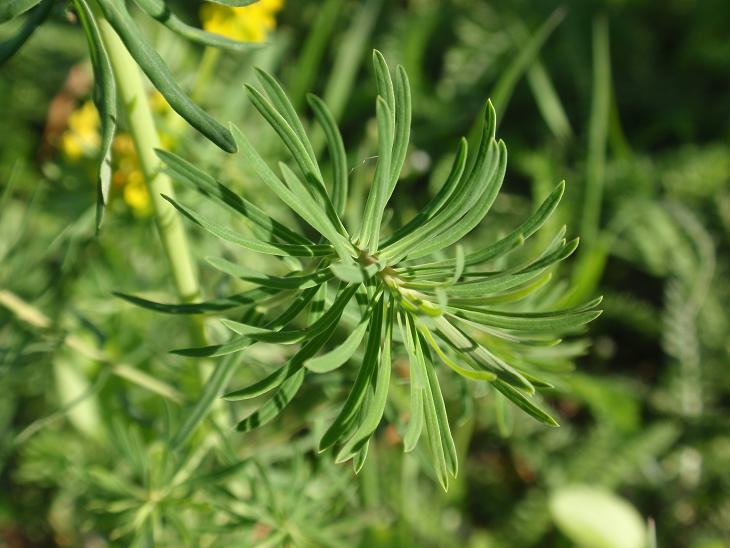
(391, 288)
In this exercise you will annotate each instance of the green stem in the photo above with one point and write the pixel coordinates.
(144, 134)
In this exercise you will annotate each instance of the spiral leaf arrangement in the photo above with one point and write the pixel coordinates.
(383, 285)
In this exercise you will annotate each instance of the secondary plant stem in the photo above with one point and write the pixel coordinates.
(141, 127)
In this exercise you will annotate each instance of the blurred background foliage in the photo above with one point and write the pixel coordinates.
(625, 99)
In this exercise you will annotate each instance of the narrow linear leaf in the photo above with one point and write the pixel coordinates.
(253, 296)
(463, 371)
(306, 208)
(317, 335)
(354, 273)
(402, 125)
(154, 67)
(521, 401)
(157, 9)
(337, 152)
(417, 383)
(9, 47)
(273, 248)
(432, 423)
(199, 180)
(338, 356)
(286, 109)
(447, 440)
(357, 393)
(438, 201)
(378, 196)
(105, 99)
(275, 405)
(293, 281)
(379, 397)
(211, 391)
(12, 8)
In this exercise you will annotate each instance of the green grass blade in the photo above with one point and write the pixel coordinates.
(309, 60)
(597, 132)
(548, 101)
(349, 55)
(524, 58)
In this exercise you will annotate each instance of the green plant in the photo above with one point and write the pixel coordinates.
(446, 310)
(109, 26)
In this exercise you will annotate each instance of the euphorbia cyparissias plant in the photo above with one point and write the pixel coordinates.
(389, 289)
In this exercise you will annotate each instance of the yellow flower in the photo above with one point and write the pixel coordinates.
(128, 176)
(158, 103)
(136, 194)
(82, 137)
(247, 24)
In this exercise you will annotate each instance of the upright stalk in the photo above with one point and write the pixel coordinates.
(141, 127)
(598, 131)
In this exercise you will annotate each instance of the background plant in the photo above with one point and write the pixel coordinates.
(664, 167)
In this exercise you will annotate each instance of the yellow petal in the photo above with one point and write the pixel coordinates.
(247, 24)
(136, 194)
